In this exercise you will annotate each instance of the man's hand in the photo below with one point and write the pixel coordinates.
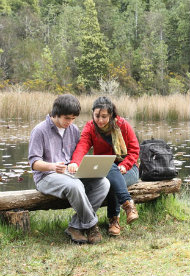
(72, 168)
(122, 169)
(60, 167)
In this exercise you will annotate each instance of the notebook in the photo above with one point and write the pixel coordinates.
(94, 166)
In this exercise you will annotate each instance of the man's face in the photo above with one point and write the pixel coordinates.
(64, 121)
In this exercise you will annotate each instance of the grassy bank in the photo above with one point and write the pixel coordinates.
(157, 244)
(36, 105)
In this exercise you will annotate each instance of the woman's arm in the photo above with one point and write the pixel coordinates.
(84, 144)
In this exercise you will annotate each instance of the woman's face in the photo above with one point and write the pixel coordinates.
(101, 117)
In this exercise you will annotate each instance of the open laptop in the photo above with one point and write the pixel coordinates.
(94, 166)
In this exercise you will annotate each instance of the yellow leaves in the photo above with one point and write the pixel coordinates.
(61, 89)
(4, 84)
(36, 85)
(119, 71)
(42, 85)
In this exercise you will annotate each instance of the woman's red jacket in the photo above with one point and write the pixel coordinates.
(90, 138)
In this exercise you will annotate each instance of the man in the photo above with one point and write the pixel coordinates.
(51, 146)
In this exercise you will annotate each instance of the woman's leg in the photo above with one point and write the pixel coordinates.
(132, 176)
(118, 193)
(115, 193)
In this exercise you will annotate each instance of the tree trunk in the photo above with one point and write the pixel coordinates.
(20, 219)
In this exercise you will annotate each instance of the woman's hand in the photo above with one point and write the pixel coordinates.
(72, 168)
(122, 169)
(60, 167)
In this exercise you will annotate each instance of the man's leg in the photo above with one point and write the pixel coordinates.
(96, 190)
(61, 185)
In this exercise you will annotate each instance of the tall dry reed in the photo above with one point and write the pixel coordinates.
(25, 105)
(37, 104)
(173, 107)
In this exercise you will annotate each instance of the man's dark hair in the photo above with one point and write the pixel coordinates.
(66, 104)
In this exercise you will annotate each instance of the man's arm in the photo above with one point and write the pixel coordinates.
(42, 166)
(36, 152)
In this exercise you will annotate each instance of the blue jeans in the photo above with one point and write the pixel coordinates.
(118, 193)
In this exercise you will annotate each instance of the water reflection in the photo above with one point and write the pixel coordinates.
(15, 173)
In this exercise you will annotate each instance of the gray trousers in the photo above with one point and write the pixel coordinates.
(84, 195)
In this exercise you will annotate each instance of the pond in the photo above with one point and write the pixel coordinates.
(15, 173)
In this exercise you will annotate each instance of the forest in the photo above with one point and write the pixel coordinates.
(131, 47)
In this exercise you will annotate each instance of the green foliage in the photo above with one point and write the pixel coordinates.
(149, 38)
(92, 64)
(66, 42)
(164, 208)
(147, 75)
(17, 5)
(5, 8)
(176, 85)
(23, 57)
(44, 68)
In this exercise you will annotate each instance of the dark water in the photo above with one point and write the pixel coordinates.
(15, 173)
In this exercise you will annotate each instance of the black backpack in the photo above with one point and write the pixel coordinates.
(156, 161)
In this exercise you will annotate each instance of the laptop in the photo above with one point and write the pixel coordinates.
(94, 166)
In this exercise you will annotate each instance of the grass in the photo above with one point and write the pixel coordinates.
(34, 105)
(173, 107)
(157, 244)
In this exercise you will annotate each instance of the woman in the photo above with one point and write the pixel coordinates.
(110, 134)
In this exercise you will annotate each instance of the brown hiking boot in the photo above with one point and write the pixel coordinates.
(130, 210)
(76, 235)
(94, 235)
(114, 227)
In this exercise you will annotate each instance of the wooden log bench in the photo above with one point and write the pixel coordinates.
(15, 205)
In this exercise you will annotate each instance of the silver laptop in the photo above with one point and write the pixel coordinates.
(94, 166)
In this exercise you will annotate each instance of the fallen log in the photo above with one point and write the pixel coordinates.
(34, 200)
(15, 205)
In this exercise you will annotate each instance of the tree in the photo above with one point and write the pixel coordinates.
(66, 38)
(92, 64)
(23, 57)
(5, 8)
(1, 69)
(44, 68)
(129, 27)
(153, 50)
(17, 5)
(183, 33)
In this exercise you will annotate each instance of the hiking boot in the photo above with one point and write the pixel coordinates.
(94, 235)
(76, 235)
(130, 210)
(114, 227)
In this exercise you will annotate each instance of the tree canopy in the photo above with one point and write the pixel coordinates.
(76, 46)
